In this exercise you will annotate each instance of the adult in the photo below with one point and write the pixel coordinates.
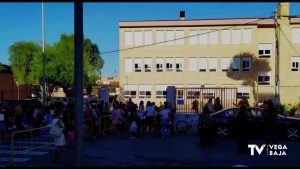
(165, 121)
(271, 114)
(210, 105)
(150, 110)
(141, 118)
(59, 141)
(242, 129)
(205, 126)
(217, 104)
(243, 102)
(195, 106)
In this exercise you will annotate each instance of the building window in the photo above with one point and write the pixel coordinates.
(208, 93)
(128, 38)
(235, 67)
(264, 50)
(264, 78)
(225, 64)
(170, 37)
(148, 64)
(247, 36)
(128, 65)
(193, 37)
(179, 93)
(202, 64)
(226, 37)
(192, 64)
(179, 64)
(159, 64)
(160, 37)
(212, 64)
(138, 65)
(179, 34)
(246, 64)
(203, 37)
(213, 37)
(295, 63)
(145, 91)
(148, 37)
(161, 91)
(169, 64)
(130, 91)
(243, 91)
(296, 35)
(138, 38)
(236, 36)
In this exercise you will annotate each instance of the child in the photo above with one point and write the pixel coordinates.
(133, 130)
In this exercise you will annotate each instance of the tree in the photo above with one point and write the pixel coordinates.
(20, 57)
(250, 77)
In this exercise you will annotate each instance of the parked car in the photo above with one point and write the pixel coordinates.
(224, 122)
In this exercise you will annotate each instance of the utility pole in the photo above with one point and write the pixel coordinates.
(78, 81)
(277, 82)
(44, 60)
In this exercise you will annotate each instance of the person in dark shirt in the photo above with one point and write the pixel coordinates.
(271, 115)
(242, 130)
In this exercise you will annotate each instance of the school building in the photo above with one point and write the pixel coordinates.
(258, 56)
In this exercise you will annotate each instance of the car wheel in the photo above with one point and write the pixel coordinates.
(182, 127)
(293, 133)
(222, 131)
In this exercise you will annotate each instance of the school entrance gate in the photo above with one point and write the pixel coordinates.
(183, 98)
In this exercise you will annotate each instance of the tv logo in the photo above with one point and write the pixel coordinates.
(272, 150)
(255, 147)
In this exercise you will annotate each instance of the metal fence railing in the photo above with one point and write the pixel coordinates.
(186, 96)
(28, 140)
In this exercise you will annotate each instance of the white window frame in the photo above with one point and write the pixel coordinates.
(247, 36)
(148, 37)
(160, 37)
(225, 64)
(202, 64)
(147, 64)
(203, 37)
(169, 64)
(179, 64)
(236, 36)
(137, 64)
(295, 61)
(296, 35)
(265, 50)
(247, 67)
(145, 91)
(192, 64)
(264, 78)
(131, 89)
(128, 38)
(193, 39)
(235, 66)
(159, 64)
(179, 34)
(213, 62)
(128, 65)
(138, 38)
(243, 91)
(213, 37)
(170, 37)
(226, 37)
(161, 91)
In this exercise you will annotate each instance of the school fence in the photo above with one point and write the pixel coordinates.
(28, 140)
(185, 97)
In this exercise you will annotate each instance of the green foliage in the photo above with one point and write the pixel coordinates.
(59, 62)
(112, 89)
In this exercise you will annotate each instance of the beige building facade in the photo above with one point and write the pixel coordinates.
(239, 53)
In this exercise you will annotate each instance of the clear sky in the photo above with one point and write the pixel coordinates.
(22, 21)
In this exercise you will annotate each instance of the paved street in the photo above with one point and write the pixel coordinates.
(180, 150)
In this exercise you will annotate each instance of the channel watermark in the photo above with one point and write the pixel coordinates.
(268, 149)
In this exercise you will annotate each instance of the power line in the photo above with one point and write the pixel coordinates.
(119, 50)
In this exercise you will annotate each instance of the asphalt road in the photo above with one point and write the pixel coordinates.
(180, 150)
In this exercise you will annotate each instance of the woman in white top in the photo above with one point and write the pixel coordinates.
(141, 118)
(59, 141)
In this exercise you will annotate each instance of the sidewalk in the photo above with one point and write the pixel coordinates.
(180, 150)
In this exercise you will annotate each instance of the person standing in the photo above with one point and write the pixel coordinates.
(205, 125)
(210, 105)
(59, 141)
(141, 118)
(241, 127)
(271, 114)
(150, 116)
(217, 104)
(165, 120)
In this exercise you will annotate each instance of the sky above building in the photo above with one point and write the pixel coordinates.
(23, 21)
